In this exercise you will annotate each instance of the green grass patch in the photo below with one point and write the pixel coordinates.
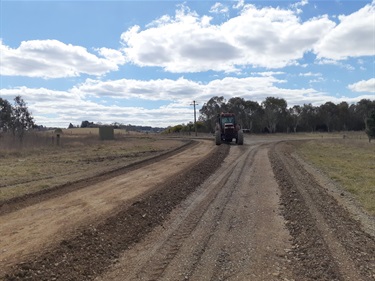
(350, 162)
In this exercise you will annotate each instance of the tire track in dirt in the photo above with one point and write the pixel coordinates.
(328, 243)
(250, 239)
(154, 269)
(229, 229)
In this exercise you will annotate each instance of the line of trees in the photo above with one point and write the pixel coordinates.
(117, 125)
(15, 118)
(273, 115)
(370, 126)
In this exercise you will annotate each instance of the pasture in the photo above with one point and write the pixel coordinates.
(349, 161)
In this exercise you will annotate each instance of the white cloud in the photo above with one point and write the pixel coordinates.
(87, 101)
(112, 55)
(267, 37)
(239, 4)
(310, 74)
(183, 90)
(268, 73)
(354, 36)
(317, 80)
(180, 90)
(324, 61)
(300, 4)
(297, 6)
(54, 59)
(58, 109)
(187, 42)
(219, 8)
(363, 86)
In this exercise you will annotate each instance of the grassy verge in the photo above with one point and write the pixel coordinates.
(350, 162)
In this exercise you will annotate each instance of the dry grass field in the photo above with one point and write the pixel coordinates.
(349, 161)
(39, 163)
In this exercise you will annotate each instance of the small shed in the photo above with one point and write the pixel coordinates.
(106, 133)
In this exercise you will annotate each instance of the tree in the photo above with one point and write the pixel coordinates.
(370, 126)
(274, 115)
(210, 110)
(177, 128)
(343, 116)
(6, 113)
(21, 118)
(86, 124)
(237, 106)
(253, 115)
(355, 121)
(274, 110)
(200, 126)
(295, 114)
(364, 108)
(328, 113)
(309, 117)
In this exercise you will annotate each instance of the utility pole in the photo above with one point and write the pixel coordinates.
(195, 117)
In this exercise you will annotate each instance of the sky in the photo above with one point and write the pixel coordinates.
(146, 62)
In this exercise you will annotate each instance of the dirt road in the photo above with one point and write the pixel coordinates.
(229, 229)
(252, 212)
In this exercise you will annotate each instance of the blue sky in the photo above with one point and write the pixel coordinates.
(144, 62)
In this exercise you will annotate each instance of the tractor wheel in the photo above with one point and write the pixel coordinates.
(240, 138)
(218, 137)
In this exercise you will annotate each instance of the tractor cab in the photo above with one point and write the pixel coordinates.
(227, 120)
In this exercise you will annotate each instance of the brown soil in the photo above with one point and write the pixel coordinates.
(256, 213)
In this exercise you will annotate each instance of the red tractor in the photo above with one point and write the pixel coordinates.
(228, 129)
